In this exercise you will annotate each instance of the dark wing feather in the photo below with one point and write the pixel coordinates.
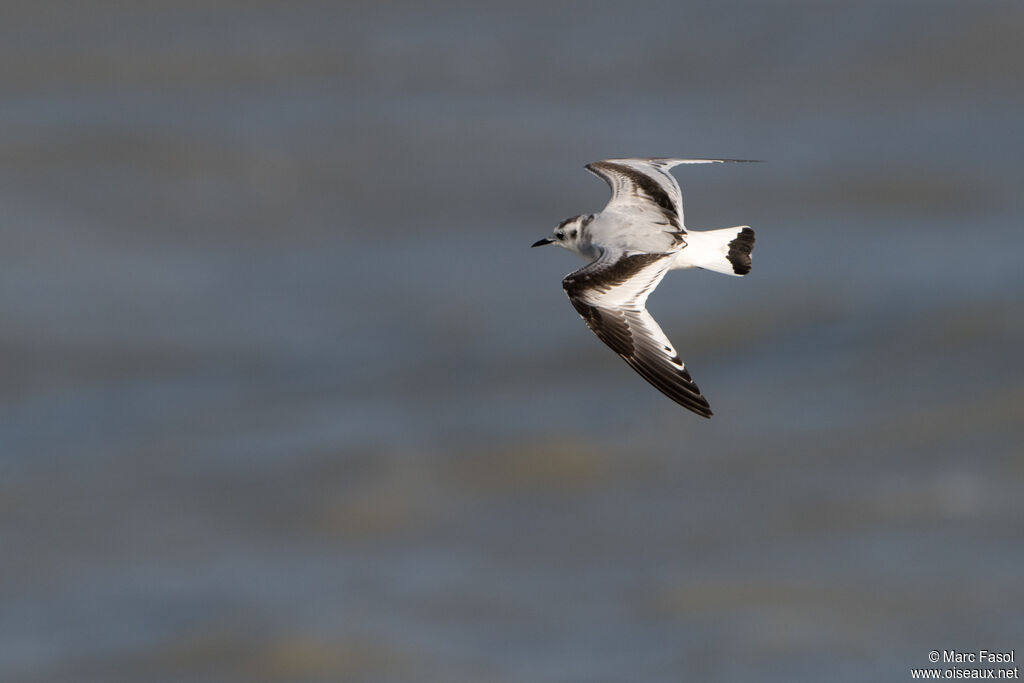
(641, 187)
(609, 294)
(646, 186)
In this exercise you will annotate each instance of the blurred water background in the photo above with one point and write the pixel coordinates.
(287, 397)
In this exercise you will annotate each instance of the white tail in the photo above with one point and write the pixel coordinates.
(723, 251)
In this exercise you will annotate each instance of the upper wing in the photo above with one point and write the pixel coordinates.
(646, 186)
(609, 294)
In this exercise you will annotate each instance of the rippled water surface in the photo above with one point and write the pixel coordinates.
(286, 396)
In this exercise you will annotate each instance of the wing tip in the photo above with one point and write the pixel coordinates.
(716, 161)
(698, 406)
(674, 161)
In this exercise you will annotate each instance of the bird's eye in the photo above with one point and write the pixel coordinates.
(560, 235)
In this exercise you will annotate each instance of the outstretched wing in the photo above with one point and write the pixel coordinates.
(645, 186)
(609, 294)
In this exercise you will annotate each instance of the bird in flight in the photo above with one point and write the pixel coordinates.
(630, 245)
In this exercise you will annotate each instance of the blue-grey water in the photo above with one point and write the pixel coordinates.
(287, 397)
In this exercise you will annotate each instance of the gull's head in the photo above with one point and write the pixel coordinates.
(569, 234)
